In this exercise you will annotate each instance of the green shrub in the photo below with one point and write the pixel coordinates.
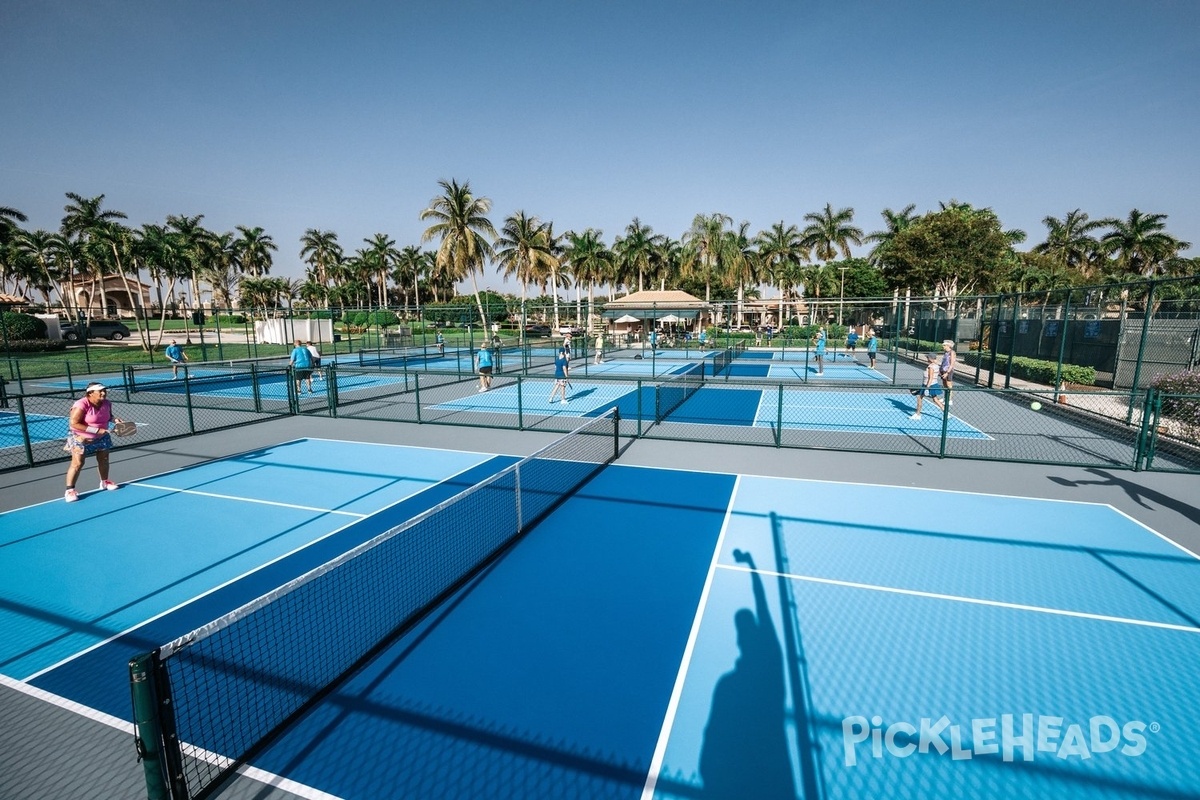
(229, 319)
(35, 346)
(1035, 370)
(22, 326)
(383, 318)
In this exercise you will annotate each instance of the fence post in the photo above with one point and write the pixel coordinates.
(1062, 343)
(1137, 366)
(1012, 341)
(779, 419)
(945, 425)
(417, 394)
(994, 345)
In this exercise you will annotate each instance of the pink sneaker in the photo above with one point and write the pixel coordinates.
(109, 485)
(71, 496)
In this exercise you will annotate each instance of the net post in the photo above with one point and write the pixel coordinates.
(616, 432)
(147, 737)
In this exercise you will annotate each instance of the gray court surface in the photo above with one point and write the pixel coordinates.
(51, 752)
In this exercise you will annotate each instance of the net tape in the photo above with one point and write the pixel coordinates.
(240, 678)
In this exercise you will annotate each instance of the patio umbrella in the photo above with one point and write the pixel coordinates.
(625, 320)
(669, 318)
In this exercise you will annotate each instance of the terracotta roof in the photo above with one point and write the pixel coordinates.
(12, 300)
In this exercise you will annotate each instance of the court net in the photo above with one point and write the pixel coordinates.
(208, 701)
(233, 372)
(671, 393)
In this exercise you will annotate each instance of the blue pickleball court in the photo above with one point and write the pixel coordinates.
(662, 633)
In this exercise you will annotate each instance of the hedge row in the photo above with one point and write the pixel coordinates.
(1035, 370)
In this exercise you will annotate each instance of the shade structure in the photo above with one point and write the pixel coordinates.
(625, 320)
(670, 318)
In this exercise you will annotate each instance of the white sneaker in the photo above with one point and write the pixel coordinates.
(563, 401)
(480, 389)
(109, 485)
(915, 416)
(71, 496)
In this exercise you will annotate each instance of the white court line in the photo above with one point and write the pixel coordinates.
(127, 727)
(232, 580)
(248, 499)
(660, 748)
(971, 600)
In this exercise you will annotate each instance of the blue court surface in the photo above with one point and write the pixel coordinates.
(42, 428)
(849, 412)
(662, 633)
(273, 385)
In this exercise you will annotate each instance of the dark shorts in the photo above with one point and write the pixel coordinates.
(303, 374)
(485, 370)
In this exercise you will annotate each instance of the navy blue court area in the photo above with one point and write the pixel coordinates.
(660, 634)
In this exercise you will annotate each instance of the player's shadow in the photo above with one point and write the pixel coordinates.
(745, 749)
(1144, 496)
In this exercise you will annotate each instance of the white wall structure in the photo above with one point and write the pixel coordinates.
(286, 331)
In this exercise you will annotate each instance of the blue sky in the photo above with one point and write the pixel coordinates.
(343, 116)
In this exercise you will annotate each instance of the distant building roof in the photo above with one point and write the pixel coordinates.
(648, 299)
(12, 300)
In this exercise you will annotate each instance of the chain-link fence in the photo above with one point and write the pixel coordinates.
(1112, 372)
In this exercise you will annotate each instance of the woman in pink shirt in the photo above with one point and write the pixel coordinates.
(88, 433)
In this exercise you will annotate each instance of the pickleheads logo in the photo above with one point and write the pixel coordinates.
(1008, 735)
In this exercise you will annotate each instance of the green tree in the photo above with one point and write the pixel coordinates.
(830, 232)
(948, 252)
(590, 261)
(705, 248)
(254, 248)
(781, 250)
(1141, 244)
(1070, 243)
(464, 232)
(321, 251)
(523, 252)
(635, 253)
(894, 222)
(85, 221)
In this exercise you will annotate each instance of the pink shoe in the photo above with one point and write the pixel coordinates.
(71, 496)
(109, 485)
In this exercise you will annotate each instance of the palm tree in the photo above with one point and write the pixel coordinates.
(894, 222)
(634, 252)
(195, 247)
(381, 256)
(411, 265)
(254, 250)
(781, 253)
(41, 248)
(829, 232)
(84, 221)
(705, 249)
(465, 233)
(523, 252)
(9, 217)
(320, 250)
(590, 261)
(744, 270)
(1069, 241)
(1140, 243)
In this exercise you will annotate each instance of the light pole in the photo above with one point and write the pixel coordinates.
(842, 293)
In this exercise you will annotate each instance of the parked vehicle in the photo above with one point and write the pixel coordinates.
(537, 330)
(111, 329)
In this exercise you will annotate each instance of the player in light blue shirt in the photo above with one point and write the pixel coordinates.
(483, 362)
